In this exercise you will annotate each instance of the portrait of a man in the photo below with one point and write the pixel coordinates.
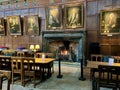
(14, 25)
(2, 28)
(110, 22)
(73, 16)
(54, 17)
(32, 25)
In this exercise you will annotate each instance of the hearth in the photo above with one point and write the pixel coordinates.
(70, 44)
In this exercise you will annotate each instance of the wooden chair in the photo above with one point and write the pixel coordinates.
(5, 74)
(38, 55)
(96, 57)
(5, 63)
(94, 73)
(20, 54)
(93, 77)
(31, 54)
(29, 71)
(108, 77)
(17, 68)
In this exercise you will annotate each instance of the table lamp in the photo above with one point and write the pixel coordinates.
(34, 48)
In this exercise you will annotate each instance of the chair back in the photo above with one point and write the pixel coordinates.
(20, 54)
(109, 74)
(29, 70)
(38, 55)
(28, 64)
(16, 63)
(96, 57)
(5, 63)
(17, 67)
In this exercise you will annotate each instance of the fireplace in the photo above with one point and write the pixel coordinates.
(70, 44)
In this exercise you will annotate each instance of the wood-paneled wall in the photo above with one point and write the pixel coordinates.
(109, 45)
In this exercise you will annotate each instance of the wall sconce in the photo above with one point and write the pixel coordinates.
(34, 48)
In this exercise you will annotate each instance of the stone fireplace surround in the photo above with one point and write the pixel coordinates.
(56, 39)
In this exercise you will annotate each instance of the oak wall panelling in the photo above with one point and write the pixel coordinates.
(108, 45)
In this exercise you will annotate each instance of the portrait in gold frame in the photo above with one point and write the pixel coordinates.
(53, 17)
(110, 22)
(2, 26)
(32, 24)
(74, 16)
(14, 25)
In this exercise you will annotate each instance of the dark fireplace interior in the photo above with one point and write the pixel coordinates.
(65, 50)
(66, 45)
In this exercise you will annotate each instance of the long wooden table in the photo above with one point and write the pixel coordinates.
(46, 60)
(94, 64)
(47, 63)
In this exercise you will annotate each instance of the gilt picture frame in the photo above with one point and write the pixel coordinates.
(14, 25)
(2, 26)
(74, 16)
(32, 26)
(110, 22)
(53, 17)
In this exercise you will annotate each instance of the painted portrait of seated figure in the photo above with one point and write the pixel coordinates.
(2, 28)
(74, 16)
(110, 22)
(53, 17)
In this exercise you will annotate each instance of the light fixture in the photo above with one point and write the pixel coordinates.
(35, 2)
(34, 48)
(37, 47)
(25, 3)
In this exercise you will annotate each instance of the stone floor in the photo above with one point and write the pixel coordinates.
(70, 81)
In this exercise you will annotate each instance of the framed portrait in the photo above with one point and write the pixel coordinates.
(31, 24)
(110, 21)
(53, 17)
(14, 25)
(74, 16)
(2, 26)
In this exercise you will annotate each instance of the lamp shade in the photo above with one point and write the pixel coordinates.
(31, 47)
(37, 47)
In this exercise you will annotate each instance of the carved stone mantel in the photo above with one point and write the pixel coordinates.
(75, 36)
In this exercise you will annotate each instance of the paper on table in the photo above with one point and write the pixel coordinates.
(111, 61)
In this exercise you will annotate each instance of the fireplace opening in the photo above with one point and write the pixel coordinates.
(66, 44)
(66, 52)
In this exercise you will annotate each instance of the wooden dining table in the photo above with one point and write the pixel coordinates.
(44, 61)
(47, 63)
(92, 67)
(44, 65)
(94, 64)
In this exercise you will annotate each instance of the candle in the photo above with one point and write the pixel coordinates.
(43, 56)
